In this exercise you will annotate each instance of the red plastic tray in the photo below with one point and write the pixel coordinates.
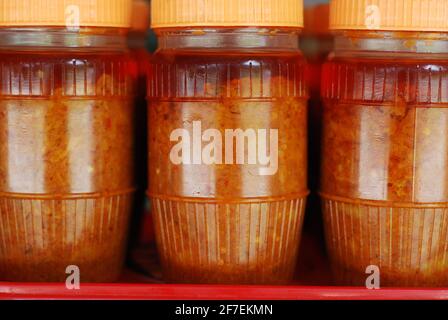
(196, 292)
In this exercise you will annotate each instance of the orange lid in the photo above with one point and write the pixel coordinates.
(66, 13)
(317, 19)
(140, 15)
(227, 13)
(393, 15)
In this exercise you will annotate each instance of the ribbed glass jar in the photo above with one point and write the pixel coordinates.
(66, 139)
(227, 153)
(385, 157)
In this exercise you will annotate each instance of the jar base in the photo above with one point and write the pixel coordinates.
(406, 243)
(41, 236)
(228, 243)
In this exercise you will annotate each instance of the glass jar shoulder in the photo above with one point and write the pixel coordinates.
(245, 74)
(386, 79)
(67, 73)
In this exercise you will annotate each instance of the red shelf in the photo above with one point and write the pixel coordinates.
(197, 292)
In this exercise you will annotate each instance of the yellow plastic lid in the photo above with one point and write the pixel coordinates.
(389, 15)
(227, 13)
(66, 13)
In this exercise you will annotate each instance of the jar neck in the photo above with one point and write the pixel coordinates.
(386, 43)
(59, 38)
(229, 39)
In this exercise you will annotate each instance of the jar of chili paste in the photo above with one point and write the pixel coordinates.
(385, 157)
(66, 139)
(227, 139)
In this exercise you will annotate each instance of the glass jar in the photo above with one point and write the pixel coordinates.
(66, 135)
(385, 164)
(227, 142)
